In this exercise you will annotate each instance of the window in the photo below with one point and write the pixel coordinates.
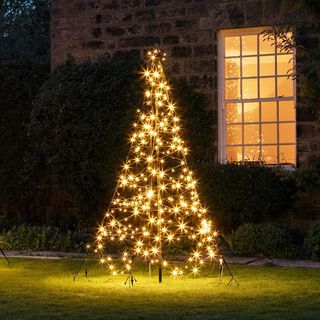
(257, 99)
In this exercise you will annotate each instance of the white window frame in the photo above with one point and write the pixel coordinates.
(221, 89)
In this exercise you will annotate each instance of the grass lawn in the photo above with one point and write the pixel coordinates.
(37, 289)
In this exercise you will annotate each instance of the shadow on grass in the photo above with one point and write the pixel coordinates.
(46, 290)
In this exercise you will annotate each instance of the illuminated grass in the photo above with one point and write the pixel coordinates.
(45, 290)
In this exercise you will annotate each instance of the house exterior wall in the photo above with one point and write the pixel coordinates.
(187, 31)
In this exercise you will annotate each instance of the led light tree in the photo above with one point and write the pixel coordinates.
(156, 203)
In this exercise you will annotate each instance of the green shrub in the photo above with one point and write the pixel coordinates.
(78, 135)
(35, 238)
(266, 239)
(18, 87)
(312, 241)
(307, 179)
(74, 158)
(245, 193)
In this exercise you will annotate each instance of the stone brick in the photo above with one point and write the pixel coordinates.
(145, 15)
(93, 44)
(156, 2)
(110, 4)
(98, 18)
(254, 12)
(158, 28)
(173, 69)
(96, 32)
(199, 66)
(311, 159)
(139, 42)
(57, 12)
(116, 32)
(94, 4)
(186, 29)
(134, 29)
(204, 82)
(181, 52)
(80, 6)
(315, 145)
(191, 37)
(308, 113)
(185, 24)
(305, 130)
(171, 12)
(171, 40)
(131, 3)
(204, 50)
(303, 146)
(196, 10)
(126, 53)
(235, 14)
(127, 17)
(205, 23)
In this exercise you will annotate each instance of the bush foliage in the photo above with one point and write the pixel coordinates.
(79, 131)
(36, 238)
(63, 168)
(78, 137)
(307, 179)
(312, 241)
(18, 87)
(266, 239)
(241, 193)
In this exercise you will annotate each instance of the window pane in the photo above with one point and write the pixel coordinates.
(284, 64)
(249, 88)
(267, 65)
(232, 68)
(268, 111)
(269, 154)
(234, 134)
(267, 88)
(234, 112)
(251, 112)
(285, 87)
(258, 127)
(252, 153)
(232, 46)
(269, 133)
(287, 132)
(286, 111)
(266, 45)
(249, 67)
(287, 154)
(251, 134)
(234, 154)
(232, 89)
(249, 45)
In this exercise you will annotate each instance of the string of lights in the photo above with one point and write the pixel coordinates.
(156, 203)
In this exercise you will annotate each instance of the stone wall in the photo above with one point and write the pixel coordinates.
(187, 30)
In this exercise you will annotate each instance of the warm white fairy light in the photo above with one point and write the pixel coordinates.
(156, 202)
